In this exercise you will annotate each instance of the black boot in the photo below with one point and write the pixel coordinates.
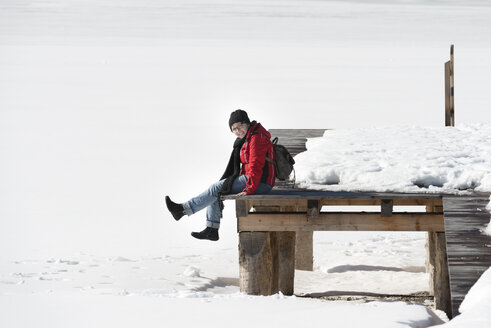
(208, 233)
(177, 210)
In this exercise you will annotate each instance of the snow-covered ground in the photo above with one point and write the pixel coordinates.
(184, 286)
(106, 105)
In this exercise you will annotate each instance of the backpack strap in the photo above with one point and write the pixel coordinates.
(274, 142)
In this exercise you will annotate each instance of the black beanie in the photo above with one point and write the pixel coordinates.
(239, 116)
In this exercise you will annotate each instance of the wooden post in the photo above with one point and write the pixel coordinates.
(259, 262)
(287, 262)
(287, 257)
(386, 208)
(275, 262)
(449, 91)
(430, 261)
(437, 267)
(242, 208)
(304, 250)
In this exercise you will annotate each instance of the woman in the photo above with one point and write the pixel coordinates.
(247, 173)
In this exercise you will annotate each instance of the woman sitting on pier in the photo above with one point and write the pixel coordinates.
(247, 173)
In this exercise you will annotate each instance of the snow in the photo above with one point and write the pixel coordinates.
(479, 293)
(130, 311)
(399, 159)
(106, 106)
(186, 285)
(475, 307)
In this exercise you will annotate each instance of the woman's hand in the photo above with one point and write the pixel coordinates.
(243, 193)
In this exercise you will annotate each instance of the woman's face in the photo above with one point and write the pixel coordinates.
(240, 129)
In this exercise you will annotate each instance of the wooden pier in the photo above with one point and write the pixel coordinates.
(276, 232)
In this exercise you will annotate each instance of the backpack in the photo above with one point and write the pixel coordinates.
(284, 161)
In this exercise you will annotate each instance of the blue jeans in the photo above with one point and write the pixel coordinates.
(209, 199)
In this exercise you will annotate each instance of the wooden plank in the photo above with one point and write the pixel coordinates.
(289, 194)
(343, 221)
(295, 139)
(301, 205)
(376, 202)
(299, 199)
(266, 208)
(297, 133)
(302, 202)
(258, 203)
(467, 248)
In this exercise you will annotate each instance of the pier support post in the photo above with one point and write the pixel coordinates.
(437, 267)
(287, 262)
(259, 262)
(304, 251)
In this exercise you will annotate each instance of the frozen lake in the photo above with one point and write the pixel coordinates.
(106, 106)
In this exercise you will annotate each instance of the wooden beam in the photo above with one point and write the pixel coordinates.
(302, 203)
(342, 221)
(395, 202)
(263, 209)
(278, 202)
(300, 194)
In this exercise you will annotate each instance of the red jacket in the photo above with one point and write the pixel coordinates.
(253, 154)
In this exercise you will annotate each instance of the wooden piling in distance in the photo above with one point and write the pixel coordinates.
(449, 90)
